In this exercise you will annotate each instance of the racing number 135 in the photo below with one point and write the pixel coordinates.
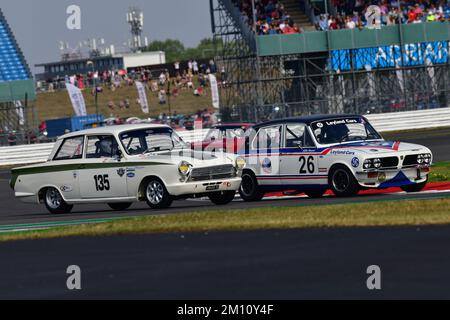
(102, 182)
(307, 165)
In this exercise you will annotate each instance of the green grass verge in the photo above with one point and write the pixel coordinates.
(394, 213)
(440, 172)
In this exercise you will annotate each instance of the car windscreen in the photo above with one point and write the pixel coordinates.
(344, 130)
(150, 140)
(225, 132)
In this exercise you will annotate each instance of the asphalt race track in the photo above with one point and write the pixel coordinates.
(285, 264)
(288, 264)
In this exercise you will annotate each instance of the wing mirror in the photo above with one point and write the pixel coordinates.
(299, 144)
(119, 155)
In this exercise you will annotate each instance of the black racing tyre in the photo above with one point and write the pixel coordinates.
(156, 194)
(315, 194)
(342, 182)
(249, 189)
(120, 206)
(55, 203)
(415, 187)
(222, 198)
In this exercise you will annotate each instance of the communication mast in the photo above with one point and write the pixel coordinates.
(135, 17)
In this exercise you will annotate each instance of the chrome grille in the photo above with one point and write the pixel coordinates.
(213, 173)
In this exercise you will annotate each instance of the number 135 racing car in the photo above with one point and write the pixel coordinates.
(125, 164)
(342, 153)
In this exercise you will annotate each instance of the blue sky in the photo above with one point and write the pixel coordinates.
(40, 25)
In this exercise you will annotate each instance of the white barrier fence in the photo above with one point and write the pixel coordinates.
(382, 122)
(36, 153)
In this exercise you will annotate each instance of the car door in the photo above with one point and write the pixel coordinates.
(264, 155)
(102, 174)
(66, 162)
(299, 158)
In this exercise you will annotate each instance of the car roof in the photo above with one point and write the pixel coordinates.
(113, 130)
(237, 125)
(308, 119)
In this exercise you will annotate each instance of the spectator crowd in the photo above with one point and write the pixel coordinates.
(271, 17)
(352, 14)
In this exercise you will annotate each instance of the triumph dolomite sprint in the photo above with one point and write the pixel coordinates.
(125, 164)
(316, 153)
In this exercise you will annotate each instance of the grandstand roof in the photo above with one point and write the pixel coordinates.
(15, 76)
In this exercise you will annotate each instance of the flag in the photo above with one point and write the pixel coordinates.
(77, 99)
(19, 111)
(214, 91)
(142, 97)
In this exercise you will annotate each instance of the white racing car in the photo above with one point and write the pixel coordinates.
(125, 164)
(342, 153)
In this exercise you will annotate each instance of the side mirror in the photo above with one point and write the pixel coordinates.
(119, 155)
(299, 144)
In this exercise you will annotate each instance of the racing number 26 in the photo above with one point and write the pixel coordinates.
(307, 165)
(102, 182)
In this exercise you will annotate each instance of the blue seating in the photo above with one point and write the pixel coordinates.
(12, 65)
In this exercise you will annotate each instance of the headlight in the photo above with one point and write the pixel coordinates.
(184, 168)
(427, 158)
(420, 159)
(377, 163)
(240, 163)
(367, 164)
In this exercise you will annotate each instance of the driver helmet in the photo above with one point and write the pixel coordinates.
(335, 132)
(106, 146)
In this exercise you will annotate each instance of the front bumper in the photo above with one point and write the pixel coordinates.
(393, 178)
(202, 187)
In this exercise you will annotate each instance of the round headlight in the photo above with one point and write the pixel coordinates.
(184, 168)
(367, 164)
(420, 159)
(377, 163)
(240, 163)
(427, 158)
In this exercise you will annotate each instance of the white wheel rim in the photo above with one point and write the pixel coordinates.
(53, 198)
(155, 192)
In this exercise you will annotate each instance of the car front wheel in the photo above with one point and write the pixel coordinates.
(250, 190)
(55, 203)
(157, 195)
(343, 183)
(222, 198)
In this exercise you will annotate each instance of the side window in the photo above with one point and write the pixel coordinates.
(309, 142)
(71, 149)
(295, 135)
(101, 147)
(268, 138)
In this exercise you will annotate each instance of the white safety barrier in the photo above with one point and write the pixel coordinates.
(382, 122)
(422, 119)
(28, 154)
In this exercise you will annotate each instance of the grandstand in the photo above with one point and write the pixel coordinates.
(397, 67)
(16, 83)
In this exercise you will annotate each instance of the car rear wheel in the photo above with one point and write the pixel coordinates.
(250, 190)
(315, 194)
(343, 183)
(55, 203)
(119, 206)
(157, 195)
(222, 198)
(415, 187)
